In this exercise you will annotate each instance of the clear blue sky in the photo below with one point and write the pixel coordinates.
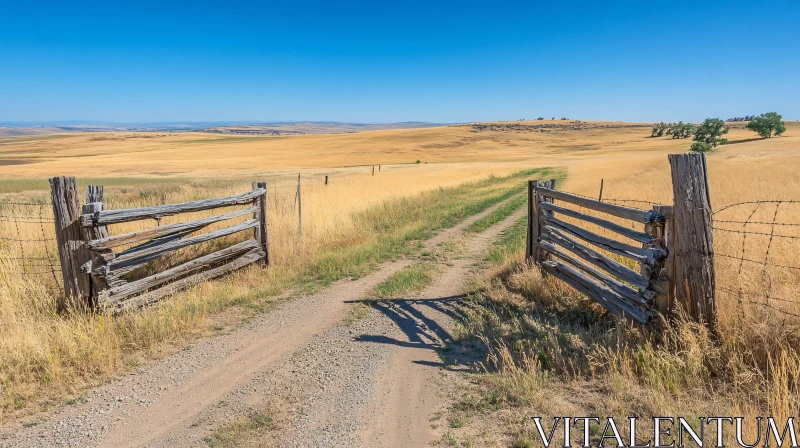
(397, 61)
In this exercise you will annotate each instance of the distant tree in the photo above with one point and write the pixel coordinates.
(681, 130)
(765, 124)
(711, 132)
(701, 147)
(658, 129)
(553, 118)
(540, 118)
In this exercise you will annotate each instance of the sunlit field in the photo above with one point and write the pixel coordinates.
(359, 220)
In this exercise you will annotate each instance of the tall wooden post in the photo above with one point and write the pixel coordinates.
(693, 244)
(299, 207)
(533, 224)
(94, 203)
(373, 170)
(261, 215)
(71, 250)
(326, 180)
(600, 198)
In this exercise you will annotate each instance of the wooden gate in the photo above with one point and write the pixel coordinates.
(107, 260)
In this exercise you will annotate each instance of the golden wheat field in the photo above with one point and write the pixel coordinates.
(43, 355)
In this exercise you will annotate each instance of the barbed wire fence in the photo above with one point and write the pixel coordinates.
(755, 243)
(28, 245)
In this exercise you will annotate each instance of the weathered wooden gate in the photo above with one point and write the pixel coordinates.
(103, 267)
(670, 260)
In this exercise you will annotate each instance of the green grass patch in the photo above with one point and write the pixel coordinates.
(398, 224)
(502, 212)
(510, 241)
(412, 278)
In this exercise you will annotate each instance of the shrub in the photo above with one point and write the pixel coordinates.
(701, 147)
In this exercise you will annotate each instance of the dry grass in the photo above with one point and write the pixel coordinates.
(349, 227)
(549, 352)
(757, 355)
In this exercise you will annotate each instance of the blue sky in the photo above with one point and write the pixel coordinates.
(400, 61)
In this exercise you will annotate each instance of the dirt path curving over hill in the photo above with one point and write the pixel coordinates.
(178, 400)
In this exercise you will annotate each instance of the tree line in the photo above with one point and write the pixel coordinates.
(710, 133)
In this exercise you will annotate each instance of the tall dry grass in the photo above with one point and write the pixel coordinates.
(548, 349)
(349, 226)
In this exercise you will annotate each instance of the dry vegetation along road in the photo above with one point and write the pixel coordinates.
(306, 374)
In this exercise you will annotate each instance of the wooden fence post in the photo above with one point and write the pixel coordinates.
(261, 230)
(693, 243)
(299, 207)
(600, 198)
(541, 255)
(533, 224)
(326, 180)
(94, 203)
(71, 250)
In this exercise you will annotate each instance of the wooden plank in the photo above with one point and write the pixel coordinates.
(625, 291)
(131, 260)
(608, 225)
(603, 262)
(139, 286)
(616, 210)
(163, 231)
(595, 291)
(71, 250)
(261, 215)
(645, 256)
(151, 297)
(107, 217)
(694, 279)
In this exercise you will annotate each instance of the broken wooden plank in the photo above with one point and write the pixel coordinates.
(106, 217)
(595, 291)
(151, 297)
(161, 278)
(616, 210)
(163, 231)
(131, 260)
(638, 254)
(603, 262)
(608, 225)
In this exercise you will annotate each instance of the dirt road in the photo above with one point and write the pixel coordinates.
(373, 383)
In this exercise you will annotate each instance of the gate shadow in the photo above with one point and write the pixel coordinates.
(412, 317)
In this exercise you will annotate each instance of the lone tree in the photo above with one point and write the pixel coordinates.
(765, 124)
(711, 132)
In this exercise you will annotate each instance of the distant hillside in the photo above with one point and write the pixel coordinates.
(12, 129)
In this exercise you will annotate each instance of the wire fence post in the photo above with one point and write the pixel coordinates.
(71, 250)
(299, 207)
(600, 198)
(533, 224)
(693, 244)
